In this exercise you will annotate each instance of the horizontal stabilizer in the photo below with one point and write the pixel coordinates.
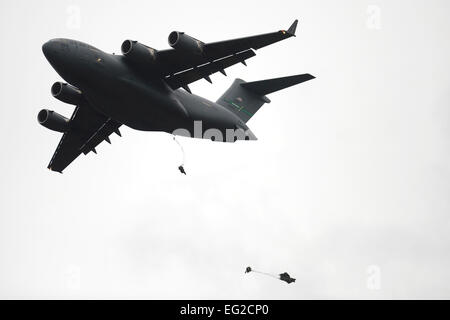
(245, 98)
(264, 87)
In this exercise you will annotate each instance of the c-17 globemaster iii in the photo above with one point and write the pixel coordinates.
(147, 89)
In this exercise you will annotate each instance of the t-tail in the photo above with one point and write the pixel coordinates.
(246, 98)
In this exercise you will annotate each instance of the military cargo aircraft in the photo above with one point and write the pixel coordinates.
(148, 89)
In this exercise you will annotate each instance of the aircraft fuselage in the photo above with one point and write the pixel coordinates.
(130, 96)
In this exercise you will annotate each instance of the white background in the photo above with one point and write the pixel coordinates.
(347, 188)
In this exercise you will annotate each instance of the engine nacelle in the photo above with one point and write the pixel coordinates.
(181, 41)
(53, 120)
(66, 93)
(139, 53)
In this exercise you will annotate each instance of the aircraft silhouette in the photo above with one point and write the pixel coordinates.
(147, 89)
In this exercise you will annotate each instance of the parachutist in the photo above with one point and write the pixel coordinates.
(181, 167)
(283, 276)
(286, 277)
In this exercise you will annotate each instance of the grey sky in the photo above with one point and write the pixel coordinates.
(351, 170)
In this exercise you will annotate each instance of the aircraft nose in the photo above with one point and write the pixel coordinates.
(49, 50)
(67, 59)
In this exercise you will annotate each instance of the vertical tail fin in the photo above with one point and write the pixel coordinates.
(246, 98)
(293, 27)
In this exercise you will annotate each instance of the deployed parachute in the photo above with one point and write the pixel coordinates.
(282, 276)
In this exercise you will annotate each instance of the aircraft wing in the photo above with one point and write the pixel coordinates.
(181, 69)
(183, 78)
(88, 129)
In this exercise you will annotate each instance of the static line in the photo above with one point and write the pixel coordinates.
(182, 150)
(267, 274)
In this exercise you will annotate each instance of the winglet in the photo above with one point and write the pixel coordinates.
(292, 28)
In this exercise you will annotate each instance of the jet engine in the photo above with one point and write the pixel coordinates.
(181, 41)
(53, 120)
(66, 93)
(139, 53)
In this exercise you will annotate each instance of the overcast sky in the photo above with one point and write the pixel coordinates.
(347, 188)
